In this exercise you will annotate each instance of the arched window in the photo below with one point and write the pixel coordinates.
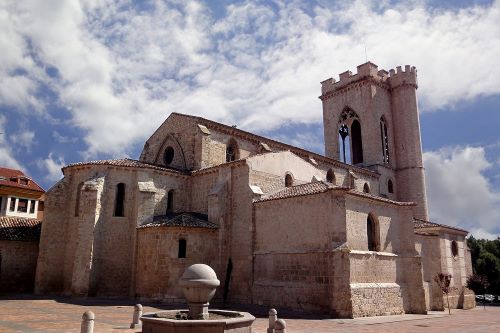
(372, 234)
(170, 201)
(232, 151)
(351, 145)
(454, 248)
(366, 188)
(390, 186)
(120, 199)
(77, 201)
(384, 140)
(330, 176)
(182, 248)
(168, 156)
(288, 180)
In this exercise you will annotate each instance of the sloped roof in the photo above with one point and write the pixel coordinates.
(19, 228)
(8, 177)
(273, 143)
(299, 190)
(125, 162)
(185, 220)
(420, 224)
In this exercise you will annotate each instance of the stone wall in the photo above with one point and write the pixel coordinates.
(158, 267)
(17, 266)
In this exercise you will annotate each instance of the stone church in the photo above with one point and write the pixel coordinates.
(346, 234)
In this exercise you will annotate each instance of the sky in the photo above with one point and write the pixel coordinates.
(86, 80)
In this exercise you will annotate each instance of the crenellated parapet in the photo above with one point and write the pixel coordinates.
(400, 77)
(391, 79)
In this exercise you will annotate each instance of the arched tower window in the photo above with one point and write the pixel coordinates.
(366, 188)
(288, 180)
(232, 152)
(350, 137)
(372, 233)
(384, 140)
(120, 200)
(77, 201)
(390, 186)
(182, 248)
(330, 176)
(170, 201)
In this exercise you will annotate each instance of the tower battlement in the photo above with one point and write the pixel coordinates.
(394, 78)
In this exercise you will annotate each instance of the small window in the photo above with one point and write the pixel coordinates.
(22, 206)
(170, 201)
(372, 234)
(390, 187)
(454, 248)
(182, 248)
(120, 198)
(32, 207)
(168, 156)
(330, 176)
(23, 181)
(288, 180)
(366, 188)
(12, 206)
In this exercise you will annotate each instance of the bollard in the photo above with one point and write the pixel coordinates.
(273, 315)
(280, 326)
(87, 322)
(137, 315)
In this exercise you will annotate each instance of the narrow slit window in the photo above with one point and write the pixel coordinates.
(288, 180)
(372, 234)
(120, 200)
(170, 201)
(366, 188)
(182, 248)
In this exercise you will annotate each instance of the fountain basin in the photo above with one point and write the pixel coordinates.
(225, 321)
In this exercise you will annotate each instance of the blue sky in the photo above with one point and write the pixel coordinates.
(93, 80)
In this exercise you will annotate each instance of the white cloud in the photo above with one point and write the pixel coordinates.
(24, 138)
(52, 167)
(7, 158)
(458, 192)
(121, 70)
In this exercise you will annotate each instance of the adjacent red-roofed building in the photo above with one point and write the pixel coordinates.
(21, 210)
(20, 195)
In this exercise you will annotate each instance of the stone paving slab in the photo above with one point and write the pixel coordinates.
(64, 315)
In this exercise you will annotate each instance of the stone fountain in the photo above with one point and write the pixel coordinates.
(198, 284)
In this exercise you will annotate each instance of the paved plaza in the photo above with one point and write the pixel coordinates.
(64, 315)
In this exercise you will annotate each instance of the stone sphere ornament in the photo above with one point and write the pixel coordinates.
(198, 284)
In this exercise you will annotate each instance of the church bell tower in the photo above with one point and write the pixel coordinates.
(371, 120)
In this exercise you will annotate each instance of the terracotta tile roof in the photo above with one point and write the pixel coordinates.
(19, 228)
(298, 190)
(126, 162)
(9, 177)
(422, 224)
(185, 220)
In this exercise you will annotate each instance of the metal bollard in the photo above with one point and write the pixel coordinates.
(87, 322)
(137, 315)
(273, 315)
(280, 326)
